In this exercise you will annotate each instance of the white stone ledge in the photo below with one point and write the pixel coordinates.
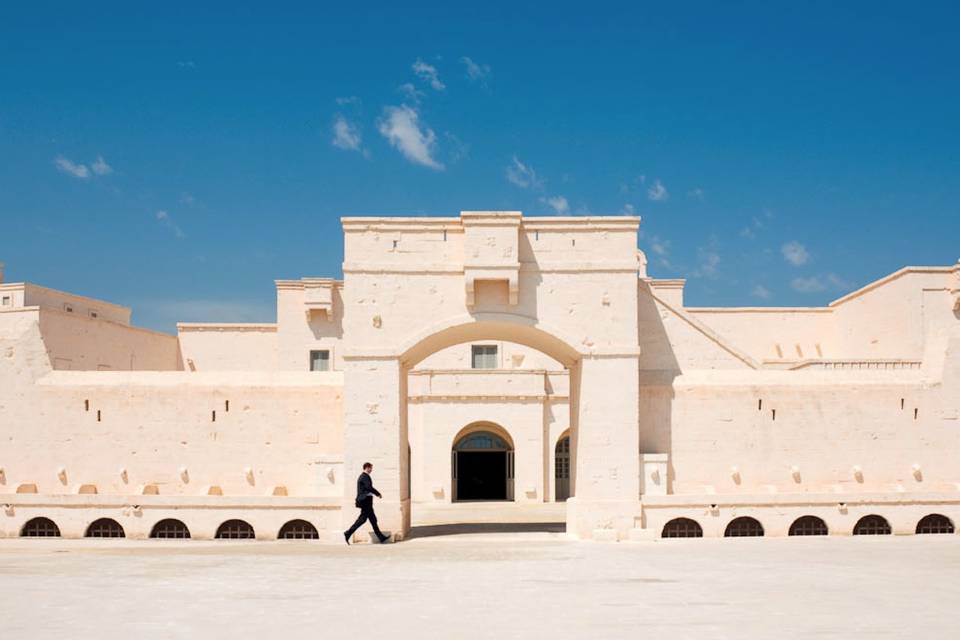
(175, 501)
(195, 379)
(797, 499)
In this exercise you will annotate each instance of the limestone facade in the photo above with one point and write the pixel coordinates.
(488, 357)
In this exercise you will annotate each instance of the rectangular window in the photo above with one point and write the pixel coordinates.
(6, 301)
(320, 360)
(484, 356)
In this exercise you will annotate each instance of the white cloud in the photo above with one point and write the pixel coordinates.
(657, 192)
(812, 284)
(659, 246)
(837, 282)
(410, 92)
(761, 292)
(458, 149)
(346, 135)
(187, 199)
(72, 168)
(428, 73)
(345, 100)
(709, 262)
(795, 253)
(628, 210)
(559, 204)
(696, 194)
(164, 219)
(523, 175)
(476, 72)
(401, 126)
(100, 167)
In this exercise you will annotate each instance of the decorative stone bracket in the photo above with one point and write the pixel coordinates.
(318, 296)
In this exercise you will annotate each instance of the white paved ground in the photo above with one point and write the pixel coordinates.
(510, 585)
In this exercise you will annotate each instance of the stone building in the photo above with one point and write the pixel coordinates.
(519, 364)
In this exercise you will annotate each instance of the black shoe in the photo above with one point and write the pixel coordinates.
(346, 537)
(383, 539)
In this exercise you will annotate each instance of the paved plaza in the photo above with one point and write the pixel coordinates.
(518, 584)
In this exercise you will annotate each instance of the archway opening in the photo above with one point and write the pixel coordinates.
(935, 523)
(482, 466)
(40, 528)
(105, 528)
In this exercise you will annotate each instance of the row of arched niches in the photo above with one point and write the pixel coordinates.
(741, 527)
(745, 526)
(170, 528)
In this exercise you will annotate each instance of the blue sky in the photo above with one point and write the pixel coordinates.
(178, 158)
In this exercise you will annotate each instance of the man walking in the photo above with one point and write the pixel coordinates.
(364, 502)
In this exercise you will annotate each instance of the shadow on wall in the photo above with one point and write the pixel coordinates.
(430, 531)
(658, 369)
(320, 327)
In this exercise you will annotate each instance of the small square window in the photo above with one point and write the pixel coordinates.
(6, 301)
(68, 308)
(94, 314)
(320, 360)
(484, 356)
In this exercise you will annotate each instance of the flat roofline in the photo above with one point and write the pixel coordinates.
(890, 278)
(12, 286)
(507, 215)
(227, 326)
(758, 309)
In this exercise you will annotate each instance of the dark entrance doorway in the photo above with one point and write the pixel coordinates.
(482, 468)
(481, 475)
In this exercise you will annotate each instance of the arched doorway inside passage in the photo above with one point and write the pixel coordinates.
(482, 464)
(378, 408)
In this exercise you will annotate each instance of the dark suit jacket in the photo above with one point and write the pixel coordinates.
(365, 488)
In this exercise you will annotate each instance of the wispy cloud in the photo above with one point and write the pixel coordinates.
(708, 263)
(657, 191)
(559, 204)
(409, 91)
(71, 168)
(100, 167)
(795, 253)
(522, 175)
(187, 199)
(345, 100)
(812, 284)
(428, 73)
(628, 210)
(166, 221)
(660, 246)
(346, 135)
(756, 224)
(760, 291)
(816, 284)
(696, 194)
(839, 283)
(402, 128)
(457, 148)
(187, 64)
(476, 72)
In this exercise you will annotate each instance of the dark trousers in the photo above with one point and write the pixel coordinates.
(366, 513)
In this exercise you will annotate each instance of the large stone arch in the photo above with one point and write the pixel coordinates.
(565, 287)
(490, 326)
